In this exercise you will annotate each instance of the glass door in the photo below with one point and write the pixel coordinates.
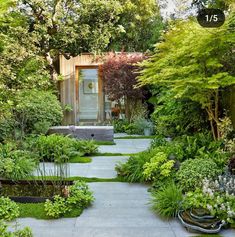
(88, 94)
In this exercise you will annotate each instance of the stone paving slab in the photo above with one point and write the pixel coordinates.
(112, 215)
(100, 167)
(126, 146)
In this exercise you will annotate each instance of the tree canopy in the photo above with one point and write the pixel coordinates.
(66, 27)
(194, 63)
(119, 74)
(142, 25)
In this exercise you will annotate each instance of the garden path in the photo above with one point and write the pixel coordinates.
(101, 166)
(119, 210)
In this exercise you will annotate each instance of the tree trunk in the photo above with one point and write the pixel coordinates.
(127, 108)
(213, 115)
(53, 72)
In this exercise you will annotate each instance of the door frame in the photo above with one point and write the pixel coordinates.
(101, 111)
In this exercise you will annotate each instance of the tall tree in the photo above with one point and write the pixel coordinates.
(195, 63)
(69, 27)
(142, 26)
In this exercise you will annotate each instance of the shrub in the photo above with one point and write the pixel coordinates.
(58, 148)
(119, 125)
(79, 196)
(132, 170)
(26, 232)
(174, 117)
(56, 208)
(142, 123)
(53, 148)
(159, 167)
(16, 164)
(199, 143)
(8, 209)
(135, 127)
(193, 171)
(167, 200)
(86, 147)
(36, 108)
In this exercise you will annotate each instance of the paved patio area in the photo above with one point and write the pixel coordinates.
(120, 210)
(126, 146)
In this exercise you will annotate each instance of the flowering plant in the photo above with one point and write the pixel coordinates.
(217, 196)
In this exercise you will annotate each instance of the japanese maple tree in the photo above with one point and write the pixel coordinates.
(119, 74)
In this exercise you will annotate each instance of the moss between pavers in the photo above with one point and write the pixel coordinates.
(78, 159)
(75, 178)
(104, 143)
(135, 137)
(109, 154)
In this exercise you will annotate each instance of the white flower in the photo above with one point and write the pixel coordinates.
(209, 207)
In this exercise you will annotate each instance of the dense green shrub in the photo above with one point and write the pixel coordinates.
(59, 148)
(119, 125)
(199, 145)
(132, 170)
(16, 164)
(202, 145)
(8, 209)
(52, 148)
(56, 208)
(79, 197)
(193, 171)
(166, 201)
(35, 111)
(26, 232)
(134, 127)
(175, 117)
(86, 147)
(159, 167)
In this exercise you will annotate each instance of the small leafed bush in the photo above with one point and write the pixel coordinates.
(9, 210)
(193, 171)
(16, 164)
(79, 197)
(159, 167)
(56, 208)
(26, 232)
(36, 107)
(167, 200)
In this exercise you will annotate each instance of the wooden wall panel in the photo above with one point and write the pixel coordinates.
(69, 87)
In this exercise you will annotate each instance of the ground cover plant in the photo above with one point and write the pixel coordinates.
(64, 204)
(79, 197)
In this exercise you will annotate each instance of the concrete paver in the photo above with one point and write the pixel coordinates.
(100, 167)
(126, 146)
